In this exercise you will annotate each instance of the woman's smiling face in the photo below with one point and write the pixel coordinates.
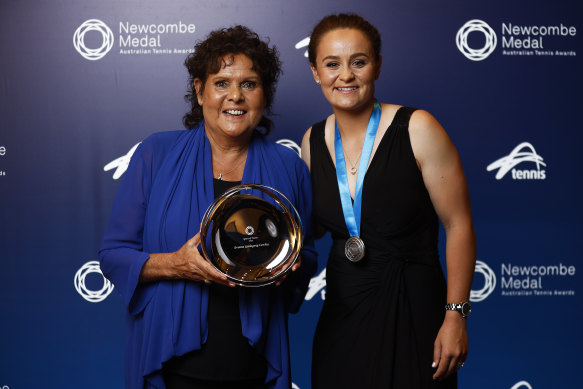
(232, 100)
(346, 68)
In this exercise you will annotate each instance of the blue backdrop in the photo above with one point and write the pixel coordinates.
(83, 82)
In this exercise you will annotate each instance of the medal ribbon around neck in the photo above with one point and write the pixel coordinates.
(352, 212)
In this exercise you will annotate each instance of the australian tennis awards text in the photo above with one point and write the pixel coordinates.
(150, 36)
(533, 37)
(530, 279)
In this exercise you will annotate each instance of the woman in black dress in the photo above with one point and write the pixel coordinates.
(385, 323)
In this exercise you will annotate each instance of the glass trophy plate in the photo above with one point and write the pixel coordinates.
(254, 241)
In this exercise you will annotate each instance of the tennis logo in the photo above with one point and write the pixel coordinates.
(524, 152)
(290, 144)
(121, 164)
(93, 54)
(303, 43)
(317, 285)
(478, 54)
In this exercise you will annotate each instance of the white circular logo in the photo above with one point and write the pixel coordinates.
(249, 230)
(489, 282)
(461, 39)
(79, 39)
(290, 144)
(93, 296)
(522, 384)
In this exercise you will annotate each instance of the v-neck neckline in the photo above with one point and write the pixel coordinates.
(373, 157)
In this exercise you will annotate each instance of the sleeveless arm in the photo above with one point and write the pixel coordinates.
(445, 181)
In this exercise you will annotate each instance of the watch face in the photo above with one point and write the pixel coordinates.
(466, 309)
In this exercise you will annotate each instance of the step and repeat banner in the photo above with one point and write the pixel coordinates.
(83, 83)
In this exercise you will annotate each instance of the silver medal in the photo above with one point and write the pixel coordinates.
(354, 249)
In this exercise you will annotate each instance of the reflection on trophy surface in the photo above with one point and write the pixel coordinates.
(254, 242)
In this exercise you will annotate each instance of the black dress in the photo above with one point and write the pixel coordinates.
(382, 314)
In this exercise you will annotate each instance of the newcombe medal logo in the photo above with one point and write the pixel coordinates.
(93, 296)
(93, 26)
(93, 39)
(489, 282)
(480, 53)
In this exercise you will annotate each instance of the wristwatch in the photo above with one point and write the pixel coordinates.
(464, 308)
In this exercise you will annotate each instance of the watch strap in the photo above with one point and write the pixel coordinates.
(464, 308)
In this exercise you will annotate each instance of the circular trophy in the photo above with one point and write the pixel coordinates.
(254, 241)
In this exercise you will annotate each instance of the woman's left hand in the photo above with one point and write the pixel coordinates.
(450, 349)
(295, 267)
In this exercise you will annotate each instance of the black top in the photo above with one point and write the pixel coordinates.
(381, 315)
(226, 355)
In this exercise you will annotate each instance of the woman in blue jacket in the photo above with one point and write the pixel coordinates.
(187, 324)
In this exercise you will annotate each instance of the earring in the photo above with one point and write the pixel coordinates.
(318, 82)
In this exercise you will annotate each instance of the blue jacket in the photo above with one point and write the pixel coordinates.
(159, 206)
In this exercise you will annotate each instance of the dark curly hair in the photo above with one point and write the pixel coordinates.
(209, 56)
(348, 20)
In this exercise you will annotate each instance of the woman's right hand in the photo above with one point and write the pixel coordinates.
(190, 265)
(185, 264)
